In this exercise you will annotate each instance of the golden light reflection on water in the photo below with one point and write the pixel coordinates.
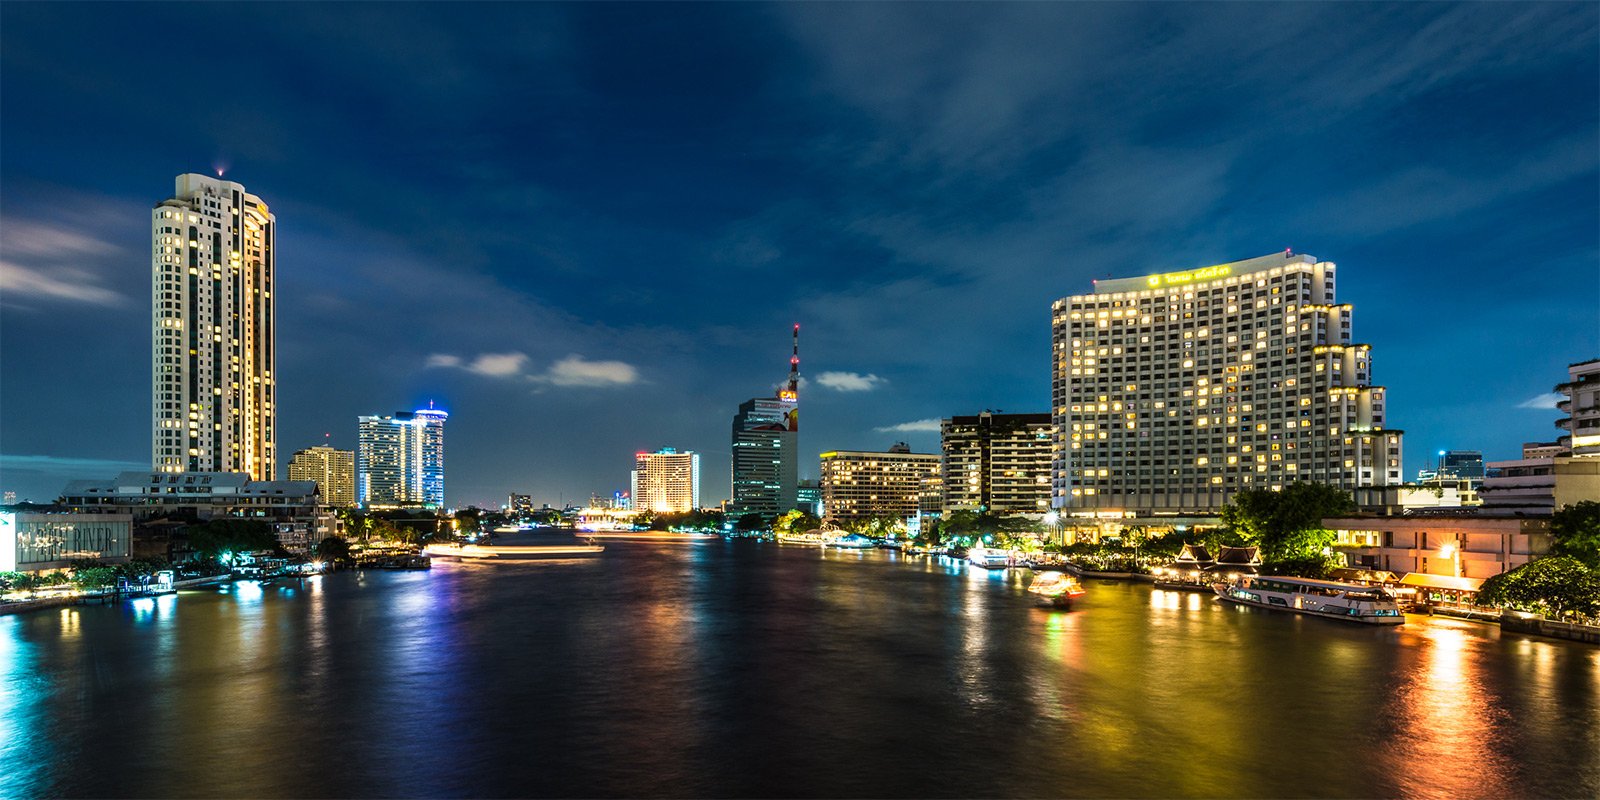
(1446, 720)
(69, 623)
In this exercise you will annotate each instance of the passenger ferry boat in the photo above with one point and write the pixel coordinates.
(811, 537)
(1346, 601)
(1057, 589)
(473, 552)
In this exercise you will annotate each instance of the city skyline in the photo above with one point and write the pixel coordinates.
(919, 223)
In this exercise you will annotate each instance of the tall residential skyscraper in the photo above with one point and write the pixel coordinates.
(333, 470)
(998, 462)
(400, 459)
(859, 485)
(213, 269)
(666, 481)
(1173, 391)
(766, 462)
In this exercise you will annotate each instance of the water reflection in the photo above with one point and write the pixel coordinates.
(742, 669)
(1448, 723)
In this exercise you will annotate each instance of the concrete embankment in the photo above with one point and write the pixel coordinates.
(194, 583)
(1539, 626)
(39, 604)
(43, 603)
(1080, 572)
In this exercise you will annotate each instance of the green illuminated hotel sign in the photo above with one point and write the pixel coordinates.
(1192, 276)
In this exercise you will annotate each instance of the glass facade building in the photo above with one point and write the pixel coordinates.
(32, 542)
(766, 464)
(400, 459)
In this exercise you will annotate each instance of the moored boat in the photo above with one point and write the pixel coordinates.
(988, 558)
(1057, 589)
(853, 541)
(1333, 599)
(811, 537)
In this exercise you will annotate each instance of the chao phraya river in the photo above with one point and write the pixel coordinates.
(748, 669)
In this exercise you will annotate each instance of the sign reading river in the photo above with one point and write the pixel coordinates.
(1181, 278)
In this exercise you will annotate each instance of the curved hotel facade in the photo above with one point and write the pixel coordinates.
(1173, 391)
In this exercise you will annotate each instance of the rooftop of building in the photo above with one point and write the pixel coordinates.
(193, 483)
(876, 453)
(996, 417)
(1167, 280)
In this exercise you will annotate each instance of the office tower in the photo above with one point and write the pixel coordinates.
(860, 485)
(213, 270)
(334, 471)
(997, 462)
(1173, 391)
(666, 481)
(1461, 465)
(766, 462)
(400, 459)
(808, 498)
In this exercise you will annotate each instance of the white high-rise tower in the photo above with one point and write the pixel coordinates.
(213, 397)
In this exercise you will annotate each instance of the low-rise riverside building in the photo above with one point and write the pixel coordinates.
(294, 508)
(39, 541)
(1474, 546)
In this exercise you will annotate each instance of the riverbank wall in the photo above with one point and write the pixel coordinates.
(39, 604)
(1539, 626)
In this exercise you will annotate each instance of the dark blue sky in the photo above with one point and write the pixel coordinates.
(585, 230)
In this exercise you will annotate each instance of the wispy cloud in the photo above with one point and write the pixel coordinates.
(914, 426)
(576, 371)
(43, 261)
(1543, 402)
(69, 467)
(62, 283)
(489, 365)
(850, 381)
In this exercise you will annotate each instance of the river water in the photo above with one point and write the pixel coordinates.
(749, 669)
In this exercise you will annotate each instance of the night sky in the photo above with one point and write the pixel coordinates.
(586, 230)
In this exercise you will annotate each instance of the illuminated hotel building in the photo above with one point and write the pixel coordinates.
(666, 481)
(400, 459)
(213, 397)
(1173, 391)
(998, 462)
(860, 485)
(333, 470)
(766, 460)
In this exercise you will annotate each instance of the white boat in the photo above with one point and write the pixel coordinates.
(811, 537)
(473, 552)
(1346, 601)
(989, 558)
